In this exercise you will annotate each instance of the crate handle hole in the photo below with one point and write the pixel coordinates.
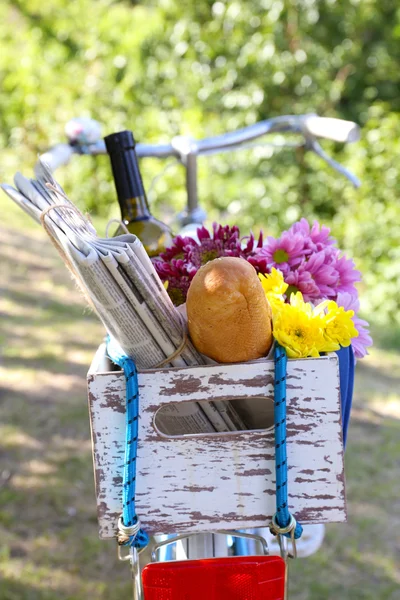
(256, 413)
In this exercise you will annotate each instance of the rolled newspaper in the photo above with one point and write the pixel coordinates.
(119, 281)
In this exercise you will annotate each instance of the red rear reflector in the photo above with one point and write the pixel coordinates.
(229, 578)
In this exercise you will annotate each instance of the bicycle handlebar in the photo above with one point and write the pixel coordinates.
(84, 136)
(336, 130)
(310, 126)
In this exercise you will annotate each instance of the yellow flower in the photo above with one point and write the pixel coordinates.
(274, 287)
(276, 303)
(273, 283)
(297, 329)
(296, 300)
(338, 326)
(305, 330)
(297, 332)
(317, 314)
(165, 284)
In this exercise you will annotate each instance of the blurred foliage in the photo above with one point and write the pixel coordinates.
(177, 67)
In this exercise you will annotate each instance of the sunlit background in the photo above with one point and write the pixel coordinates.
(201, 68)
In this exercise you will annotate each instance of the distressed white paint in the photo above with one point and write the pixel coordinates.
(222, 480)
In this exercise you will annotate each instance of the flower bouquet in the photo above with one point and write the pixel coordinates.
(308, 280)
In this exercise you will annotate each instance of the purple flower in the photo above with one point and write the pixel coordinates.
(348, 301)
(251, 246)
(179, 249)
(259, 262)
(302, 281)
(224, 241)
(325, 275)
(364, 340)
(224, 233)
(317, 237)
(284, 253)
(309, 261)
(179, 277)
(180, 262)
(348, 274)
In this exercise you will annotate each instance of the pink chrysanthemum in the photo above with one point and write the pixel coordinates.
(311, 249)
(324, 275)
(348, 274)
(284, 253)
(348, 301)
(364, 340)
(302, 281)
(316, 237)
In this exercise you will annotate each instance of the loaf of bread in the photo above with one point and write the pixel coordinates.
(229, 317)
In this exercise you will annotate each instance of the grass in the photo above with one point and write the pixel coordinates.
(49, 547)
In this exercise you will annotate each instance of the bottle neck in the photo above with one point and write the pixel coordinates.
(128, 181)
(134, 209)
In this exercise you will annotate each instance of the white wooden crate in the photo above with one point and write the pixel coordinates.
(221, 480)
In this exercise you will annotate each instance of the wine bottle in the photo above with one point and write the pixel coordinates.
(135, 212)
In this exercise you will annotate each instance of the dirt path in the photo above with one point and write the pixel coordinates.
(49, 547)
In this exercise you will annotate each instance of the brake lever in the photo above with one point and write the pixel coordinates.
(312, 144)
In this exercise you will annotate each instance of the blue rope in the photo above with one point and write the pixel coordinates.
(129, 517)
(282, 515)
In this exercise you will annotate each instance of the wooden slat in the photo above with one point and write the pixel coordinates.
(203, 482)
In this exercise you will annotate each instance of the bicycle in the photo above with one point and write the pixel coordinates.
(84, 137)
